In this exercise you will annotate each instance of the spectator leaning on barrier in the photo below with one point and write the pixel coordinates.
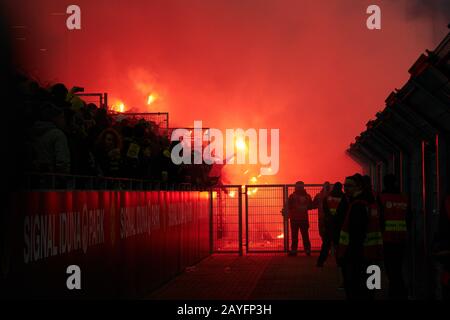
(69, 136)
(82, 161)
(145, 162)
(108, 154)
(49, 142)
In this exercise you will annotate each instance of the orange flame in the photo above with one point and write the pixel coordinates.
(118, 106)
(240, 144)
(252, 191)
(151, 98)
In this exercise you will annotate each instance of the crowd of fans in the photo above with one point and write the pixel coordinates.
(66, 135)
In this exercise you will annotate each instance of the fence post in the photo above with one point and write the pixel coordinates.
(105, 102)
(211, 224)
(246, 219)
(285, 220)
(240, 220)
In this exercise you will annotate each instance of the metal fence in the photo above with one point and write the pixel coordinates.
(160, 119)
(226, 226)
(265, 224)
(99, 99)
(263, 227)
(251, 217)
(267, 229)
(50, 181)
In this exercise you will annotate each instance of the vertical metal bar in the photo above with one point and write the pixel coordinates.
(401, 171)
(167, 126)
(424, 198)
(438, 182)
(246, 220)
(394, 164)
(240, 221)
(211, 222)
(424, 217)
(287, 224)
(285, 220)
(377, 188)
(106, 100)
(380, 178)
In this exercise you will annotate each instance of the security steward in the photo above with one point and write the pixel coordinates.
(360, 242)
(330, 237)
(318, 201)
(299, 202)
(394, 213)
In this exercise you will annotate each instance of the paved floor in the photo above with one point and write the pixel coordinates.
(256, 276)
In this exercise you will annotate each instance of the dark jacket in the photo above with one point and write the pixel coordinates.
(357, 228)
(341, 212)
(333, 222)
(318, 204)
(299, 203)
(50, 148)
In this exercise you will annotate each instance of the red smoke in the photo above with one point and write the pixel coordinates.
(310, 68)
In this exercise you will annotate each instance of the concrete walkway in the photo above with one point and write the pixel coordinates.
(256, 276)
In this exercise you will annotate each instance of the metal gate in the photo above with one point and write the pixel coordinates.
(226, 219)
(266, 228)
(263, 228)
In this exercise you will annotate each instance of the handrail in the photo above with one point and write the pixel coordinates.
(47, 181)
(37, 181)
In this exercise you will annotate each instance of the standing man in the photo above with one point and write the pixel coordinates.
(341, 212)
(318, 204)
(394, 212)
(330, 238)
(299, 203)
(360, 243)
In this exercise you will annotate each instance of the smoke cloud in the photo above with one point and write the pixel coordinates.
(309, 68)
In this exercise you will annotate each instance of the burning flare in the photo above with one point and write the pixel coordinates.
(240, 144)
(151, 98)
(118, 106)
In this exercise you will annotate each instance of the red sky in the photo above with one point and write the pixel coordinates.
(309, 68)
